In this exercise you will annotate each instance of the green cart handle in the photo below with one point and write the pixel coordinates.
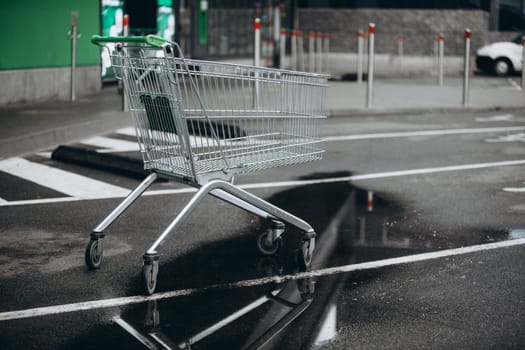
(152, 40)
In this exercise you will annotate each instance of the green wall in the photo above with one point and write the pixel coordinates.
(33, 33)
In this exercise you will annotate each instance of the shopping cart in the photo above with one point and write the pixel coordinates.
(201, 123)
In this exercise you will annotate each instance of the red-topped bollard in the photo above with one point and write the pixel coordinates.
(441, 54)
(360, 55)
(400, 43)
(282, 47)
(311, 51)
(466, 68)
(523, 65)
(326, 50)
(257, 42)
(319, 46)
(293, 50)
(370, 80)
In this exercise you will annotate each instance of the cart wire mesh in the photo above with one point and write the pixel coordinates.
(201, 120)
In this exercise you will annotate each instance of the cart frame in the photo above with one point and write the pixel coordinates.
(187, 134)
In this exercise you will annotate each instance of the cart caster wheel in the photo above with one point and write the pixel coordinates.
(266, 248)
(150, 270)
(306, 288)
(94, 253)
(304, 256)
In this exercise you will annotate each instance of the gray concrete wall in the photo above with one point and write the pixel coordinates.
(418, 27)
(33, 85)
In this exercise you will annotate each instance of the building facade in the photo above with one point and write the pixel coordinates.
(35, 63)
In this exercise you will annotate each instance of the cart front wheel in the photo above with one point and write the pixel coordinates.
(150, 270)
(268, 248)
(94, 253)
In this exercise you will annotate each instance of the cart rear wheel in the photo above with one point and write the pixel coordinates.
(150, 270)
(94, 253)
(268, 249)
(304, 257)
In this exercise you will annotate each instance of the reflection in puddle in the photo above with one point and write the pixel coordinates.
(166, 325)
(291, 315)
(516, 233)
(251, 318)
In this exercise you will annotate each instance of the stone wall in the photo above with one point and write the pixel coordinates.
(417, 26)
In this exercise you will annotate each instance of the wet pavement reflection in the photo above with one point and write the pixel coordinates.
(295, 314)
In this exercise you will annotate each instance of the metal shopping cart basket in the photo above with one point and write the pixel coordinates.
(202, 123)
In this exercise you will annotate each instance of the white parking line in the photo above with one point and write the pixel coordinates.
(118, 302)
(514, 84)
(71, 184)
(443, 132)
(372, 176)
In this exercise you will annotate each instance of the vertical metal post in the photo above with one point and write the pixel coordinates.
(282, 48)
(436, 51)
(400, 43)
(523, 65)
(360, 55)
(125, 32)
(466, 68)
(257, 42)
(300, 51)
(370, 80)
(293, 53)
(256, 59)
(441, 49)
(326, 49)
(319, 45)
(73, 35)
(311, 51)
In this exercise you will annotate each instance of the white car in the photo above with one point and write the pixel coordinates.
(501, 58)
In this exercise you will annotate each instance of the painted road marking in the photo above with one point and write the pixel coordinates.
(497, 118)
(422, 133)
(514, 84)
(111, 145)
(508, 138)
(293, 183)
(514, 189)
(71, 184)
(371, 265)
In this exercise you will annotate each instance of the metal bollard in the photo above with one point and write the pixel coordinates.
(311, 51)
(256, 59)
(326, 50)
(370, 80)
(360, 55)
(282, 48)
(300, 51)
(400, 42)
(293, 50)
(441, 50)
(523, 65)
(319, 46)
(125, 32)
(74, 35)
(257, 42)
(466, 68)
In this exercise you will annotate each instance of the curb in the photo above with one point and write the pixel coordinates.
(354, 112)
(124, 165)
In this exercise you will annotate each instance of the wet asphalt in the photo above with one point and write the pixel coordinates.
(467, 301)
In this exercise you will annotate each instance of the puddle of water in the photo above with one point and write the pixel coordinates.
(298, 313)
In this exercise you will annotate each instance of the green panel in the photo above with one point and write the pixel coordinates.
(34, 33)
(203, 22)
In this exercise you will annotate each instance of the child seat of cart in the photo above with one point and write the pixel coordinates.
(159, 112)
